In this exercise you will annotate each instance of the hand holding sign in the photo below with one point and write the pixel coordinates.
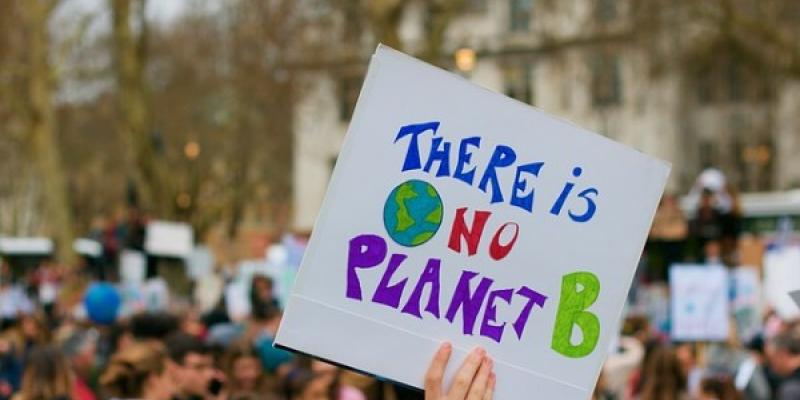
(474, 380)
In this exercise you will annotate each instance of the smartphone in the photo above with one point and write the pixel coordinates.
(215, 386)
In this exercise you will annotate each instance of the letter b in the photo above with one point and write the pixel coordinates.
(572, 311)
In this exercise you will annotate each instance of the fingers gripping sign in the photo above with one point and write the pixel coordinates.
(474, 380)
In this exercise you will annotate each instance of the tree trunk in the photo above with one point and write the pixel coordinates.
(42, 126)
(129, 57)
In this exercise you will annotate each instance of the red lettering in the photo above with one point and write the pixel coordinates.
(471, 235)
(499, 251)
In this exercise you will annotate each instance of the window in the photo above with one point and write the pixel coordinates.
(521, 13)
(475, 6)
(725, 79)
(606, 80)
(605, 10)
(349, 87)
(518, 82)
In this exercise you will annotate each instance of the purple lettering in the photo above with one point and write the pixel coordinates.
(429, 276)
(470, 303)
(494, 332)
(366, 251)
(534, 297)
(390, 294)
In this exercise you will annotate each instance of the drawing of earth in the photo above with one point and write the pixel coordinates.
(413, 213)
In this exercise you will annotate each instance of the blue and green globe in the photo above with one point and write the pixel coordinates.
(413, 213)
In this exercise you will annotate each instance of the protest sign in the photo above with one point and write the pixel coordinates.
(746, 302)
(169, 239)
(781, 275)
(699, 299)
(457, 214)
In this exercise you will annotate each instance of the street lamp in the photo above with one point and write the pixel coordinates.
(191, 150)
(465, 58)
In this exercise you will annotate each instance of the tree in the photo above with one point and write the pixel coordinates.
(41, 125)
(130, 56)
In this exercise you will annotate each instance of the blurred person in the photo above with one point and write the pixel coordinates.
(245, 373)
(190, 367)
(153, 326)
(137, 372)
(668, 235)
(783, 352)
(14, 300)
(687, 356)
(192, 324)
(718, 387)
(262, 293)
(752, 375)
(731, 228)
(264, 328)
(638, 377)
(665, 377)
(601, 391)
(80, 349)
(706, 226)
(11, 361)
(47, 376)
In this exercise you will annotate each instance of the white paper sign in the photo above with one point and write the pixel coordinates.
(746, 302)
(169, 239)
(781, 275)
(699, 302)
(455, 213)
(132, 267)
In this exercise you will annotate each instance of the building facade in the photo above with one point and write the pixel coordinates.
(581, 60)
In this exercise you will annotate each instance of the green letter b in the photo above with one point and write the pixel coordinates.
(572, 311)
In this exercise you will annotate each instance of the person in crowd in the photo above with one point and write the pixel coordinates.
(668, 236)
(687, 356)
(245, 373)
(266, 321)
(153, 326)
(190, 367)
(137, 372)
(783, 352)
(752, 376)
(706, 227)
(665, 377)
(14, 302)
(11, 360)
(638, 377)
(80, 349)
(47, 376)
(262, 293)
(718, 387)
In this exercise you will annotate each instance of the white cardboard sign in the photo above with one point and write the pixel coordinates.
(169, 239)
(457, 214)
(699, 295)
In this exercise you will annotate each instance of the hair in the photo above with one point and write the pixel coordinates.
(179, 345)
(788, 341)
(237, 351)
(157, 326)
(242, 350)
(665, 377)
(127, 372)
(77, 341)
(721, 387)
(47, 375)
(301, 376)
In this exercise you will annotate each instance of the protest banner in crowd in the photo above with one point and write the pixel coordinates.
(457, 214)
(699, 299)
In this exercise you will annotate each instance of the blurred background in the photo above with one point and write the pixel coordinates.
(177, 148)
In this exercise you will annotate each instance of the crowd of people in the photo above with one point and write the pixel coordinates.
(48, 350)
